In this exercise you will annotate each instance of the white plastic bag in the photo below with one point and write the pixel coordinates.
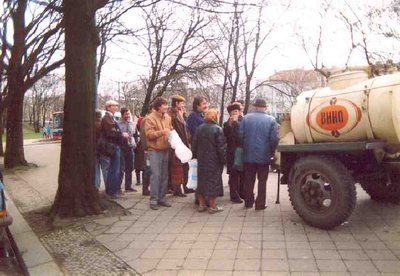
(192, 181)
(183, 153)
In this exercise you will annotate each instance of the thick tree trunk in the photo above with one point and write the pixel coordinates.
(1, 130)
(15, 77)
(76, 195)
(147, 99)
(14, 138)
(247, 97)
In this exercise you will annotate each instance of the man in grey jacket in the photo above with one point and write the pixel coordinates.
(259, 134)
(127, 153)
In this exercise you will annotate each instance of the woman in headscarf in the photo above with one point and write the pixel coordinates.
(208, 148)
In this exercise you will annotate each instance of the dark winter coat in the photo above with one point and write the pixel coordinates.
(232, 138)
(194, 120)
(140, 160)
(111, 130)
(179, 124)
(208, 148)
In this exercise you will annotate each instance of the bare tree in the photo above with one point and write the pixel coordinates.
(313, 46)
(5, 47)
(33, 53)
(253, 40)
(174, 51)
(222, 53)
(76, 194)
(42, 97)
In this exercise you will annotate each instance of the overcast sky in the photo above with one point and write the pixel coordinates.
(127, 62)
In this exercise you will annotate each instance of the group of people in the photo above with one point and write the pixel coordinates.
(251, 138)
(117, 162)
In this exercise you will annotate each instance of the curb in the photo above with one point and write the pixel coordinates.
(36, 258)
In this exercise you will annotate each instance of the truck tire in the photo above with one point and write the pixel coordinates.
(378, 189)
(322, 191)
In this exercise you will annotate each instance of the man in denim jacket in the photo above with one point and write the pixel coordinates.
(259, 134)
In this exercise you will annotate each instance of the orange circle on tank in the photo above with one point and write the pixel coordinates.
(332, 117)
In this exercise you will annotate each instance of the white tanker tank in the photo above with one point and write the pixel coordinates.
(346, 133)
(352, 108)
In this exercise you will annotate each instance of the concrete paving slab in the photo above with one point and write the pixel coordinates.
(238, 241)
(35, 256)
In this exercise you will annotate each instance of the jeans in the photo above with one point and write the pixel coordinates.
(114, 173)
(159, 176)
(102, 163)
(127, 163)
(251, 170)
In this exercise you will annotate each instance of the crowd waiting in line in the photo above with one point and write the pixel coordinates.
(123, 147)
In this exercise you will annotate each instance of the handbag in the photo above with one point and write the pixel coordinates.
(238, 162)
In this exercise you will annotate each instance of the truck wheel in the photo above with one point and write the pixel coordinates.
(322, 191)
(379, 189)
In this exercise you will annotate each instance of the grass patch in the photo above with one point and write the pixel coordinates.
(32, 135)
(27, 136)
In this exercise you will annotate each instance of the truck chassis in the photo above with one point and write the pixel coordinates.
(321, 178)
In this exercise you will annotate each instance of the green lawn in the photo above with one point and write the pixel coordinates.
(32, 135)
(27, 135)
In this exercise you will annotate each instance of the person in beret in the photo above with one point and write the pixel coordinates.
(231, 132)
(179, 171)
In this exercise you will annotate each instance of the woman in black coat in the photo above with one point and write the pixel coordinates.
(208, 148)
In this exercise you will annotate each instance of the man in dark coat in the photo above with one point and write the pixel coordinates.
(178, 171)
(231, 132)
(102, 161)
(196, 118)
(259, 133)
(112, 133)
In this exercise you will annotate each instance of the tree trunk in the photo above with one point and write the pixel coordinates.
(247, 96)
(35, 121)
(14, 138)
(15, 78)
(44, 116)
(1, 131)
(147, 99)
(76, 195)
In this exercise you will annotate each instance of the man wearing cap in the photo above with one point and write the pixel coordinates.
(259, 134)
(179, 171)
(231, 133)
(113, 134)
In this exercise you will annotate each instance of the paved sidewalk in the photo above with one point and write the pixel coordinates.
(181, 241)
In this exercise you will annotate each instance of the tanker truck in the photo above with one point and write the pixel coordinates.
(337, 136)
